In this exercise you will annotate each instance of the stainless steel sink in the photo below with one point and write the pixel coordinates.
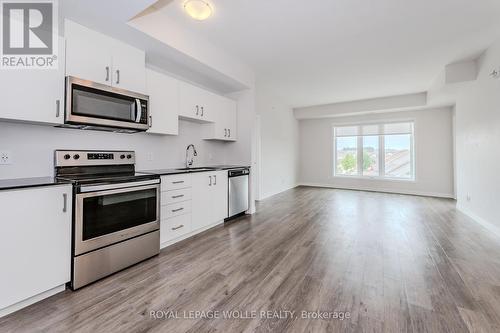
(195, 169)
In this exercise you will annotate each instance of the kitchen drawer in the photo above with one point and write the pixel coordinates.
(175, 227)
(174, 196)
(175, 209)
(175, 182)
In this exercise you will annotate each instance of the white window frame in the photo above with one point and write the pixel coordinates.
(381, 154)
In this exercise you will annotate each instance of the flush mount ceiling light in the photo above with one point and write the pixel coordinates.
(198, 9)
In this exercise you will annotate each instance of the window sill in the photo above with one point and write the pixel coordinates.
(382, 179)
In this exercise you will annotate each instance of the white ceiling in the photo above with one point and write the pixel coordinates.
(324, 51)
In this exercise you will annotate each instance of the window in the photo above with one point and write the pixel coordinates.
(375, 151)
(371, 155)
(347, 148)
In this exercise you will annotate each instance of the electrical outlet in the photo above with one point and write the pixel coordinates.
(469, 197)
(5, 157)
(150, 157)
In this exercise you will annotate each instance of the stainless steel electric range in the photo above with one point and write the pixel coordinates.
(116, 212)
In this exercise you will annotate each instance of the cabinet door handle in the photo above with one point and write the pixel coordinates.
(178, 227)
(177, 210)
(58, 108)
(65, 202)
(107, 73)
(117, 76)
(178, 182)
(215, 178)
(197, 109)
(177, 196)
(202, 109)
(210, 180)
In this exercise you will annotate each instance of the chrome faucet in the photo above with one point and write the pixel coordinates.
(189, 162)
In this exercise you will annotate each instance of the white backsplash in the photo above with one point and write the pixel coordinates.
(32, 147)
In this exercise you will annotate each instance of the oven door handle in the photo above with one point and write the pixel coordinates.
(138, 109)
(97, 188)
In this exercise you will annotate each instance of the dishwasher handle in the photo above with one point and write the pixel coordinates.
(238, 172)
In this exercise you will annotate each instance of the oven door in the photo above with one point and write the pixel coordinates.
(106, 217)
(94, 104)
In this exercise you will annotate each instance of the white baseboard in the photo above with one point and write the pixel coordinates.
(18, 306)
(268, 195)
(479, 220)
(383, 190)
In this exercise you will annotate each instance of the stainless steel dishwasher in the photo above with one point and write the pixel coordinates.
(238, 191)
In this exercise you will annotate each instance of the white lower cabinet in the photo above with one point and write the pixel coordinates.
(220, 196)
(192, 203)
(175, 212)
(209, 198)
(176, 209)
(35, 243)
(173, 228)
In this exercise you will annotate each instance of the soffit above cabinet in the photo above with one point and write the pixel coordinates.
(113, 18)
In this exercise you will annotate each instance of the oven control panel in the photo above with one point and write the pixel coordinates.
(100, 156)
(93, 158)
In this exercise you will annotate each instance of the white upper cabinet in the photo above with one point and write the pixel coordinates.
(232, 123)
(163, 94)
(34, 95)
(217, 112)
(96, 57)
(195, 103)
(88, 54)
(129, 67)
(224, 127)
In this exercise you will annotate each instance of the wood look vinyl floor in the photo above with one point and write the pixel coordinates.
(392, 263)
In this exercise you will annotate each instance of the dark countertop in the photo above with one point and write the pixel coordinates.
(166, 172)
(17, 183)
(228, 167)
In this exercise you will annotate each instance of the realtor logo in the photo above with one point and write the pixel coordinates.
(29, 34)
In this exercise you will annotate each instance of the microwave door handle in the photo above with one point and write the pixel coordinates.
(138, 109)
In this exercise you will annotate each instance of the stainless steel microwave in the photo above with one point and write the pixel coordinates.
(91, 105)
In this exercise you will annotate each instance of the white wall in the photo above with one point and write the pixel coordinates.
(279, 154)
(32, 147)
(433, 153)
(243, 150)
(158, 24)
(478, 140)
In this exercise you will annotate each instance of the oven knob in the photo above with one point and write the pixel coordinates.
(122, 156)
(76, 156)
(129, 156)
(67, 156)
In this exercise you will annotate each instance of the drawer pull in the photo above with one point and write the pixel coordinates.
(178, 227)
(177, 210)
(178, 182)
(177, 196)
